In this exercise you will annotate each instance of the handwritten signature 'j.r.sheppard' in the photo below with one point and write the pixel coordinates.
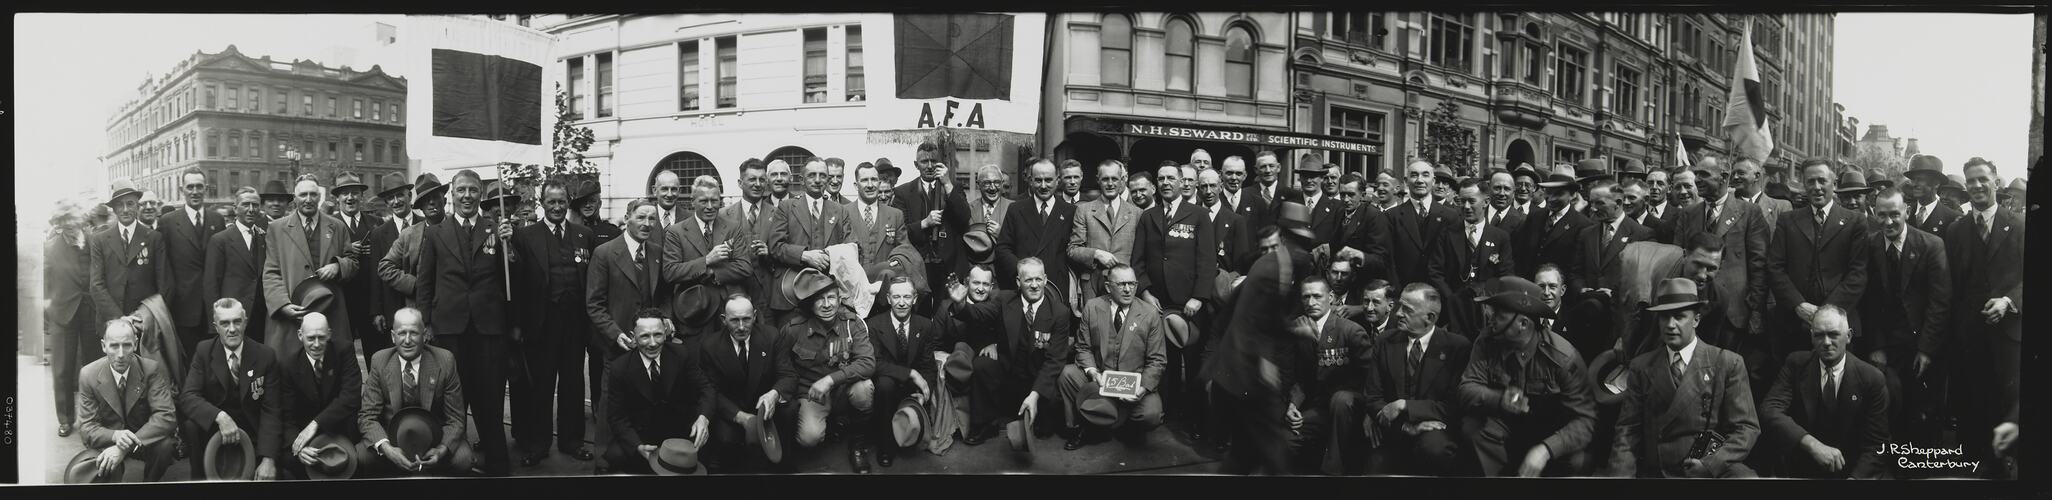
(1906, 454)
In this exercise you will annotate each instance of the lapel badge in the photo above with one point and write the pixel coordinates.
(1728, 221)
(1856, 398)
(1442, 356)
(1626, 239)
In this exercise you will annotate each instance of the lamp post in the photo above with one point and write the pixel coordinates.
(292, 154)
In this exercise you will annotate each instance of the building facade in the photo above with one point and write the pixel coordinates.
(245, 120)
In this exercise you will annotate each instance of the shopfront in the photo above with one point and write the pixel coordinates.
(1146, 143)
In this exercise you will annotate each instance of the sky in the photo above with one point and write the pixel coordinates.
(1959, 83)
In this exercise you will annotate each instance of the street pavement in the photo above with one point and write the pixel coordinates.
(1162, 452)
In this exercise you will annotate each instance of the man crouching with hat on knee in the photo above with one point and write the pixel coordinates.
(412, 416)
(1709, 430)
(656, 396)
(1119, 334)
(320, 392)
(125, 410)
(831, 351)
(1526, 390)
(230, 400)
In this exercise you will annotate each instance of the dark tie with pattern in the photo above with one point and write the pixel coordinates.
(1412, 362)
(640, 255)
(410, 396)
(1674, 367)
(317, 371)
(1830, 393)
(313, 245)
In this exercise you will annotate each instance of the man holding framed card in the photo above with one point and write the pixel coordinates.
(1121, 337)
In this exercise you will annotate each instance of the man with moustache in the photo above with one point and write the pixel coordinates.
(302, 246)
(1925, 175)
(1688, 411)
(987, 211)
(1827, 415)
(1906, 307)
(224, 391)
(1596, 275)
(1412, 375)
(802, 228)
(1103, 235)
(1326, 395)
(185, 231)
(1817, 257)
(1742, 283)
(701, 251)
(656, 394)
(320, 392)
(554, 329)
(1467, 256)
(1040, 227)
(126, 405)
(414, 374)
(463, 294)
(616, 284)
(1985, 247)
(749, 363)
(398, 267)
(235, 261)
(1525, 390)
(1417, 223)
(751, 218)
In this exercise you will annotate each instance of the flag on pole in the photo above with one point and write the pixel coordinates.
(1745, 113)
(1681, 151)
(484, 100)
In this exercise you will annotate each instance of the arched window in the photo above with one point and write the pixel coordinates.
(687, 165)
(1239, 62)
(1115, 55)
(1182, 52)
(793, 155)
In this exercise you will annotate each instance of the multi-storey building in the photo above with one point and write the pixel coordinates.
(246, 120)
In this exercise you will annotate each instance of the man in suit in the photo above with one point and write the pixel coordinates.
(355, 231)
(225, 391)
(1742, 283)
(748, 364)
(615, 286)
(127, 263)
(922, 202)
(414, 374)
(1041, 227)
(1327, 372)
(1827, 415)
(68, 319)
(701, 251)
(1104, 231)
(1269, 187)
(126, 406)
(1417, 223)
(1072, 182)
(1596, 276)
(1466, 256)
(1551, 238)
(1985, 247)
(1527, 198)
(463, 293)
(235, 261)
(830, 354)
(384, 298)
(879, 231)
(987, 211)
(1249, 393)
(151, 209)
(1175, 258)
(305, 245)
(1525, 390)
(1247, 203)
(1503, 214)
(800, 231)
(185, 230)
(1634, 201)
(1817, 257)
(1658, 205)
(277, 199)
(904, 344)
(555, 329)
(836, 171)
(1412, 372)
(1679, 394)
(320, 392)
(1905, 307)
(1749, 183)
(751, 217)
(1023, 364)
(1925, 175)
(669, 195)
(1326, 212)
(1234, 245)
(1119, 333)
(399, 267)
(1366, 235)
(656, 394)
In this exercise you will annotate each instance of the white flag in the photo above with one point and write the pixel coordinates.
(1745, 113)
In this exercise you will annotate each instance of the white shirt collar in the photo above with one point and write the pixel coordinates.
(1656, 210)
(310, 359)
(130, 228)
(1688, 352)
(1311, 198)
(1031, 306)
(1988, 215)
(648, 363)
(1318, 324)
(1424, 341)
(463, 221)
(237, 351)
(119, 375)
(633, 245)
(1924, 211)
(1754, 199)
(1902, 240)
(900, 324)
(1214, 208)
(1827, 209)
(194, 214)
(245, 228)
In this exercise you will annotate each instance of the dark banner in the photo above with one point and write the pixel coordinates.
(487, 97)
(964, 56)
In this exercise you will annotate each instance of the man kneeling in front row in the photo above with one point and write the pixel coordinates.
(1119, 334)
(125, 407)
(655, 395)
(1827, 415)
(410, 377)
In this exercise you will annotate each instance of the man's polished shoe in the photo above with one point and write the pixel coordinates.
(859, 458)
(582, 454)
(884, 457)
(533, 459)
(978, 436)
(1076, 442)
(63, 430)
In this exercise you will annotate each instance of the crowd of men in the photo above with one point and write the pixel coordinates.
(1716, 320)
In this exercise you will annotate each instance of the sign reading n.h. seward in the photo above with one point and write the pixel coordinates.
(1266, 139)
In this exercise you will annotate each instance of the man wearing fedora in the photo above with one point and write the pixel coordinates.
(462, 292)
(1417, 224)
(126, 405)
(616, 285)
(1040, 226)
(277, 199)
(1827, 415)
(1925, 175)
(656, 394)
(1325, 397)
(1119, 333)
(1468, 255)
(1527, 407)
(1411, 374)
(1033, 341)
(1326, 211)
(186, 230)
(302, 246)
(1688, 409)
(1853, 192)
(414, 379)
(397, 247)
(231, 393)
(320, 392)
(1527, 198)
(904, 344)
(1985, 247)
(1551, 238)
(551, 315)
(127, 261)
(753, 382)
(235, 261)
(1742, 282)
(830, 353)
(800, 231)
(1818, 256)
(1247, 366)
(349, 196)
(1104, 231)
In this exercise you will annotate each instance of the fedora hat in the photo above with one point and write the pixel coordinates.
(347, 181)
(427, 185)
(1178, 329)
(1591, 170)
(2016, 187)
(275, 189)
(313, 294)
(1518, 295)
(885, 169)
(1633, 168)
(1223, 284)
(1878, 179)
(803, 284)
(235, 462)
(1312, 167)
(333, 457)
(1444, 173)
(1294, 217)
(584, 189)
(84, 468)
(1562, 176)
(764, 435)
(696, 306)
(675, 457)
(1926, 168)
(1674, 293)
(960, 364)
(1602, 367)
(498, 193)
(414, 430)
(1853, 182)
(1020, 433)
(1526, 169)
(908, 424)
(980, 244)
(123, 188)
(398, 184)
(1098, 411)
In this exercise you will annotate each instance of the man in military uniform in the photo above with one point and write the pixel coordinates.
(1526, 390)
(831, 352)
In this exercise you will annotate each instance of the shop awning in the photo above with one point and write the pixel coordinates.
(1216, 133)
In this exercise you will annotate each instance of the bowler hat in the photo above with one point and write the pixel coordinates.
(978, 241)
(675, 457)
(333, 458)
(1294, 217)
(1602, 367)
(1099, 411)
(762, 434)
(313, 294)
(1674, 293)
(1562, 176)
(84, 468)
(235, 462)
(398, 184)
(275, 189)
(123, 188)
(1927, 169)
(1591, 170)
(1853, 182)
(1178, 329)
(696, 306)
(414, 430)
(426, 185)
(348, 181)
(1633, 168)
(1518, 295)
(803, 284)
(908, 424)
(1020, 433)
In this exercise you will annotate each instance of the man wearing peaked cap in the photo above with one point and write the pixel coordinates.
(1688, 411)
(1954, 192)
(1530, 407)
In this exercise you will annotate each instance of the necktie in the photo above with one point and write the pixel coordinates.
(313, 242)
(1119, 321)
(741, 350)
(1413, 361)
(814, 206)
(1029, 315)
(410, 394)
(1474, 236)
(1917, 214)
(869, 215)
(1609, 231)
(640, 254)
(127, 236)
(234, 366)
(317, 371)
(1820, 217)
(559, 232)
(706, 230)
(121, 385)
(1981, 222)
(655, 372)
(1113, 212)
(1830, 392)
(1496, 219)
(903, 334)
(1674, 367)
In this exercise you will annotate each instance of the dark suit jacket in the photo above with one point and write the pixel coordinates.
(462, 288)
(1660, 420)
(613, 292)
(251, 397)
(897, 357)
(1942, 215)
(235, 269)
(1173, 257)
(1983, 269)
(1023, 233)
(1249, 206)
(1513, 218)
(1439, 377)
(1825, 265)
(1036, 369)
(1459, 270)
(1742, 277)
(1315, 379)
(440, 392)
(185, 253)
(333, 401)
(684, 251)
(361, 285)
(1411, 247)
(1235, 241)
(910, 198)
(67, 283)
(737, 383)
(1662, 227)
(149, 408)
(1599, 265)
(642, 411)
(123, 274)
(1248, 323)
(1669, 217)
(762, 283)
(1795, 408)
(1370, 231)
(384, 299)
(1326, 219)
(549, 276)
(1909, 307)
(793, 231)
(1543, 241)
